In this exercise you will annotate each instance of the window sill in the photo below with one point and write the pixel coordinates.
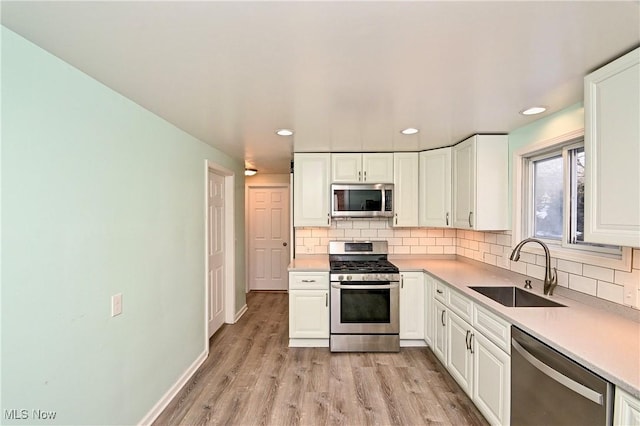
(621, 264)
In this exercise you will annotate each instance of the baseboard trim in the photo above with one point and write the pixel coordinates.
(308, 343)
(157, 409)
(412, 343)
(240, 313)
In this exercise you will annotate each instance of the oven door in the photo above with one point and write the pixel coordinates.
(366, 307)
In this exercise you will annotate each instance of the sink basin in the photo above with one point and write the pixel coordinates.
(516, 297)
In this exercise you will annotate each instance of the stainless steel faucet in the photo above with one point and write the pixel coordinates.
(550, 277)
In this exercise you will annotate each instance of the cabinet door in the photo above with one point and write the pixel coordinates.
(435, 188)
(377, 167)
(346, 168)
(405, 191)
(464, 183)
(428, 310)
(626, 410)
(612, 150)
(491, 380)
(311, 190)
(440, 331)
(308, 314)
(412, 305)
(459, 356)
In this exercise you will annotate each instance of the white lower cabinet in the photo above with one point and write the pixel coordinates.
(429, 307)
(459, 354)
(491, 380)
(412, 305)
(439, 346)
(308, 309)
(626, 409)
(480, 364)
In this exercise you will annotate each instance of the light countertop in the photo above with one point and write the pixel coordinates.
(605, 342)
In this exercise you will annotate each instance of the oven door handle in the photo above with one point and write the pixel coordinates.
(366, 287)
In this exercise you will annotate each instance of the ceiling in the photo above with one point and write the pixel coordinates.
(346, 76)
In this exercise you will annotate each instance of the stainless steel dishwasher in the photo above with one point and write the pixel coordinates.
(548, 388)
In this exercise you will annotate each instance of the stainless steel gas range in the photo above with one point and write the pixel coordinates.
(364, 298)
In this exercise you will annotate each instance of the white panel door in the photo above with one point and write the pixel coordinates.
(311, 174)
(377, 167)
(268, 238)
(459, 356)
(405, 192)
(491, 380)
(215, 252)
(440, 331)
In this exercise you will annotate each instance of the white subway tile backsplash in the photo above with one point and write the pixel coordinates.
(435, 250)
(610, 291)
(343, 224)
(493, 248)
(602, 274)
(450, 233)
(361, 224)
(503, 240)
(353, 233)
(435, 233)
(519, 267)
(563, 279)
(583, 284)
(535, 271)
(369, 233)
(427, 241)
(569, 266)
(419, 233)
(444, 241)
(419, 249)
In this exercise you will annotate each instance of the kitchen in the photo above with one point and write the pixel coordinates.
(94, 238)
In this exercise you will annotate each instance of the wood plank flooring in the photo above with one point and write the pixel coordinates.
(252, 377)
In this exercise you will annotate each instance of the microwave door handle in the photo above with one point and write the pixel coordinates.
(365, 287)
(567, 382)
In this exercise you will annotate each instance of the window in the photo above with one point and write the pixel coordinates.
(554, 198)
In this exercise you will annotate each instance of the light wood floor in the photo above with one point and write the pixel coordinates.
(252, 377)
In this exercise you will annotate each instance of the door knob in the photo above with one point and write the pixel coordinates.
(284, 244)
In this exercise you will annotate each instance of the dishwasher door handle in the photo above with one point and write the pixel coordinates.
(567, 382)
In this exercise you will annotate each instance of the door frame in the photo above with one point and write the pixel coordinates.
(229, 253)
(247, 223)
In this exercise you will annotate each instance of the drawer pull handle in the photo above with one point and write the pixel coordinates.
(308, 281)
(439, 291)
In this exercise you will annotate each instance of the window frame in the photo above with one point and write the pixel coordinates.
(521, 219)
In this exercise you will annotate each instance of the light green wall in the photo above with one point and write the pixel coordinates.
(99, 196)
(559, 123)
(551, 126)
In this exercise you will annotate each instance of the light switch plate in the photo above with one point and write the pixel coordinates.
(116, 304)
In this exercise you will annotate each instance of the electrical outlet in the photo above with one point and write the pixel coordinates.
(116, 304)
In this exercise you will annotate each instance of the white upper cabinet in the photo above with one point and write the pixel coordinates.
(362, 168)
(405, 189)
(311, 189)
(435, 188)
(480, 183)
(612, 152)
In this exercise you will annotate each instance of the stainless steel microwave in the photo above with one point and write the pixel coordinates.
(362, 200)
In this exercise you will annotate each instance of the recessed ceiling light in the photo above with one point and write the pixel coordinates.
(250, 172)
(409, 131)
(284, 132)
(533, 110)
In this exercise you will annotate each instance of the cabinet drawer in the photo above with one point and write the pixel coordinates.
(309, 280)
(492, 327)
(461, 305)
(441, 291)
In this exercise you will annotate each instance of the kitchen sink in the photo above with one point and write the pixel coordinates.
(516, 297)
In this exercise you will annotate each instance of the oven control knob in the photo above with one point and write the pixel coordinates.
(348, 277)
(340, 277)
